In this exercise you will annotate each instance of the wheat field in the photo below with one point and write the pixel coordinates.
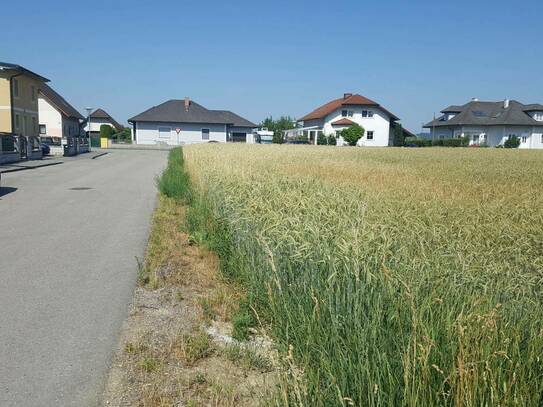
(387, 277)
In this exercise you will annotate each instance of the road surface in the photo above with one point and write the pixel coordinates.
(69, 238)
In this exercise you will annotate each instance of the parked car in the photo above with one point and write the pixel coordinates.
(45, 150)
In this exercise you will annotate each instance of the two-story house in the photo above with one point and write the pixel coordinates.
(60, 122)
(491, 123)
(19, 112)
(336, 115)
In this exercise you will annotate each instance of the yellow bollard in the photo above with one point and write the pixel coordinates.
(103, 142)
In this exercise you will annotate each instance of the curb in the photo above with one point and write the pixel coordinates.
(98, 155)
(30, 168)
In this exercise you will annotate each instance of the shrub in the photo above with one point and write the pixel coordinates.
(242, 321)
(322, 140)
(106, 131)
(512, 142)
(332, 140)
(417, 142)
(352, 134)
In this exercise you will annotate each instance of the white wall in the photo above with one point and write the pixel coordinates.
(51, 117)
(247, 130)
(495, 135)
(147, 133)
(96, 123)
(379, 124)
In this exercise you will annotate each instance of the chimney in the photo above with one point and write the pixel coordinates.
(506, 103)
(187, 103)
(347, 95)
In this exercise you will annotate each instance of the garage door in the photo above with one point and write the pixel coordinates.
(164, 133)
(239, 137)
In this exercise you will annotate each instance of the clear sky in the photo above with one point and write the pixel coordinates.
(279, 57)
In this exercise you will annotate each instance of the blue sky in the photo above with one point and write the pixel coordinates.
(280, 57)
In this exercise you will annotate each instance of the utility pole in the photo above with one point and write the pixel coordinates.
(89, 110)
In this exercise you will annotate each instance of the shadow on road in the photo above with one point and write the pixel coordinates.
(6, 190)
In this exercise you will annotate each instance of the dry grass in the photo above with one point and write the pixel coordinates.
(390, 276)
(165, 358)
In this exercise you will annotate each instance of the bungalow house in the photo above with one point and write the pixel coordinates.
(19, 113)
(96, 120)
(338, 114)
(60, 122)
(491, 123)
(177, 122)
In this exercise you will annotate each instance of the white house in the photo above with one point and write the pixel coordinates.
(491, 123)
(58, 120)
(339, 114)
(96, 119)
(178, 122)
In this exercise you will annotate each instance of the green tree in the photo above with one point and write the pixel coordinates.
(352, 134)
(398, 135)
(278, 126)
(106, 131)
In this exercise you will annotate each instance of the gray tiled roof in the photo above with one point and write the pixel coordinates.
(487, 114)
(22, 69)
(173, 111)
(59, 102)
(102, 114)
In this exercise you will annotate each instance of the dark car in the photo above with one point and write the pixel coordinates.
(45, 150)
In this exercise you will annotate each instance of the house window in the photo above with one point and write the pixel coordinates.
(43, 129)
(15, 88)
(17, 121)
(33, 93)
(205, 134)
(347, 113)
(164, 132)
(524, 139)
(369, 135)
(542, 139)
(344, 113)
(367, 113)
(538, 116)
(475, 138)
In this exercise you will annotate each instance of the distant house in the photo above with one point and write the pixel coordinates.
(59, 122)
(491, 123)
(339, 114)
(19, 112)
(177, 122)
(97, 119)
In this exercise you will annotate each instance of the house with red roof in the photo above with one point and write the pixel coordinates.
(338, 114)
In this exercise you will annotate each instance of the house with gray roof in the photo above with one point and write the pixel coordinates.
(491, 123)
(178, 122)
(59, 121)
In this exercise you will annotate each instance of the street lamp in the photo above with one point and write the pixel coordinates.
(89, 110)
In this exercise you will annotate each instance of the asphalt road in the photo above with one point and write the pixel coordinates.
(67, 272)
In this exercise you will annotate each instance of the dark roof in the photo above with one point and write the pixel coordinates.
(533, 107)
(60, 103)
(347, 100)
(173, 111)
(102, 114)
(21, 69)
(343, 122)
(479, 113)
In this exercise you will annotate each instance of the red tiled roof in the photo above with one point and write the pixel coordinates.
(351, 100)
(343, 122)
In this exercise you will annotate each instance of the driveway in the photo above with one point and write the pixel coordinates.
(69, 238)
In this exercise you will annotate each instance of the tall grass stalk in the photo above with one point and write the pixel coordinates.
(388, 276)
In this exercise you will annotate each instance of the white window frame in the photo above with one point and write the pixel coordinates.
(370, 136)
(44, 127)
(367, 114)
(169, 131)
(208, 133)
